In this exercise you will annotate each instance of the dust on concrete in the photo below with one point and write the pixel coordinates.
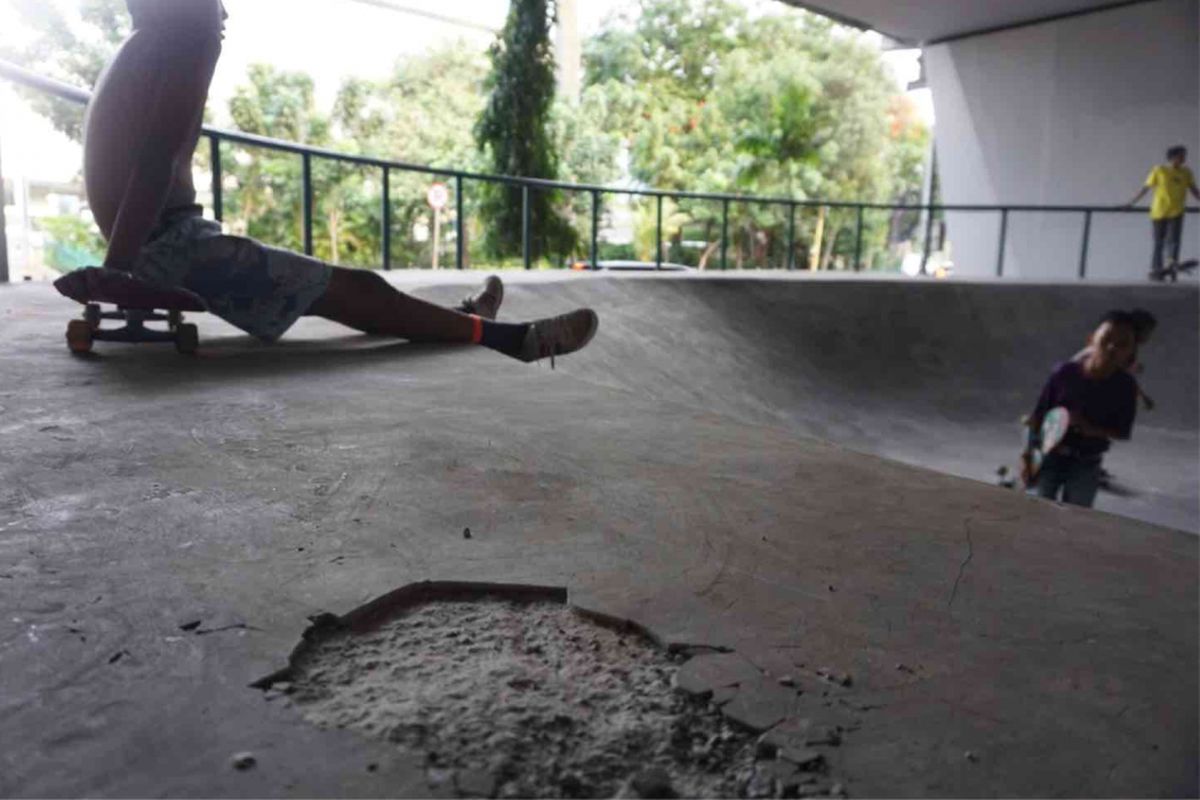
(515, 699)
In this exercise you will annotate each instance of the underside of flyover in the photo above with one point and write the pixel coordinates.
(921, 22)
(785, 483)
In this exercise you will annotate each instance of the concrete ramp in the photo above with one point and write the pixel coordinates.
(934, 374)
(168, 526)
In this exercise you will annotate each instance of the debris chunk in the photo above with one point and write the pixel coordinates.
(243, 761)
(475, 782)
(653, 782)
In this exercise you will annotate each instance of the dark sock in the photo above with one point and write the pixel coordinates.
(504, 337)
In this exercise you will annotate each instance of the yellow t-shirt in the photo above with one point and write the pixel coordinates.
(1170, 186)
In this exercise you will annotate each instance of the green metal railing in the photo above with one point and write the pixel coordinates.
(386, 167)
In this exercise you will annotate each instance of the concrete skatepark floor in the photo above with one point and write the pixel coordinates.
(709, 469)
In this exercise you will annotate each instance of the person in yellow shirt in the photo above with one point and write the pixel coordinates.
(1171, 182)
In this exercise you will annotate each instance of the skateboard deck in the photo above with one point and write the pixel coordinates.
(1054, 427)
(136, 303)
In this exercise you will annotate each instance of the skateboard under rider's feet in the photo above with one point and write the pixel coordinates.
(1173, 270)
(136, 303)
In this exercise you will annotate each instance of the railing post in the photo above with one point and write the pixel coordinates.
(460, 240)
(791, 240)
(928, 238)
(385, 214)
(658, 235)
(1083, 250)
(218, 200)
(724, 230)
(1003, 239)
(858, 232)
(307, 205)
(3, 236)
(525, 253)
(595, 253)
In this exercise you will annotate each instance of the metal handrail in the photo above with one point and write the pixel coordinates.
(65, 91)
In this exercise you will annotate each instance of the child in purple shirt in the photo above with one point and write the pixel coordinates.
(1101, 396)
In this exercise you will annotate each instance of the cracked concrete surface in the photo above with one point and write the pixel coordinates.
(666, 475)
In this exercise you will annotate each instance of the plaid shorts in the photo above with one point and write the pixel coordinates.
(259, 289)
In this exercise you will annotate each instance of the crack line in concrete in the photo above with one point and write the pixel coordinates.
(963, 566)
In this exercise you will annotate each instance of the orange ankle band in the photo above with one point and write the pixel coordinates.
(477, 333)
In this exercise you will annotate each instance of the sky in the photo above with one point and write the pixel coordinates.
(329, 39)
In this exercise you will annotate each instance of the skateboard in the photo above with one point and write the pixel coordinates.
(1173, 270)
(136, 303)
(1054, 427)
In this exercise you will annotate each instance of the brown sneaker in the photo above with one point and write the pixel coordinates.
(557, 336)
(486, 302)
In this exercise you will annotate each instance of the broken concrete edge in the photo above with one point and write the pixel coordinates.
(375, 612)
(380, 609)
(387, 606)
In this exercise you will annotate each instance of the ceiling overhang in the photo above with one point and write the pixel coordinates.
(928, 22)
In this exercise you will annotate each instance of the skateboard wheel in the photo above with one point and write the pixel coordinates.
(187, 339)
(79, 336)
(91, 315)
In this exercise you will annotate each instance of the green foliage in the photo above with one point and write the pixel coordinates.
(415, 116)
(419, 115)
(71, 242)
(514, 131)
(785, 105)
(74, 56)
(263, 197)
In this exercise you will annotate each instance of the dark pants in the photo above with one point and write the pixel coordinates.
(1168, 232)
(1077, 478)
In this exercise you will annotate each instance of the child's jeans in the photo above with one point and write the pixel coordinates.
(1077, 478)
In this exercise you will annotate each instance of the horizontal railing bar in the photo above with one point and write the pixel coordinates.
(67, 92)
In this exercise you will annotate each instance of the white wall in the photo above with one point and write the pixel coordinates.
(1070, 112)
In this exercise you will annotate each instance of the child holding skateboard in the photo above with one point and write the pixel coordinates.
(1101, 397)
(141, 128)
(1144, 325)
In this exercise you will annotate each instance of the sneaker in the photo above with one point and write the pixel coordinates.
(486, 302)
(557, 336)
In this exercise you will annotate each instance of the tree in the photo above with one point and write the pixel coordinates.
(266, 198)
(784, 105)
(418, 115)
(72, 56)
(514, 131)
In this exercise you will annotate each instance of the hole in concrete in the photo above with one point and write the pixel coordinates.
(515, 696)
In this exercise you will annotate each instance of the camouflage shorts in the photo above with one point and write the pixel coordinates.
(262, 290)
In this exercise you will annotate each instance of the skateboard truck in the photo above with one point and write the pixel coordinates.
(137, 303)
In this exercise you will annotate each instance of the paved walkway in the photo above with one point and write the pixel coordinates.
(666, 475)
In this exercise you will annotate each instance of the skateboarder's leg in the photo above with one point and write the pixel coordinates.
(1174, 237)
(1082, 482)
(1160, 232)
(363, 300)
(1051, 477)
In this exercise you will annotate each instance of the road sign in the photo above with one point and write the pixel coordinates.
(438, 195)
